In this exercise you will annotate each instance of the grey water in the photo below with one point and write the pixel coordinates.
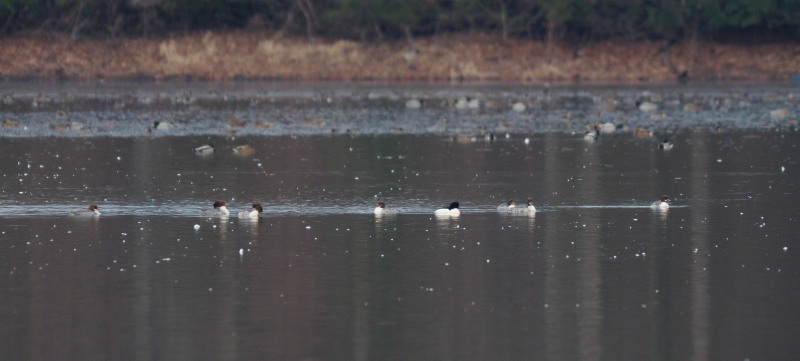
(594, 274)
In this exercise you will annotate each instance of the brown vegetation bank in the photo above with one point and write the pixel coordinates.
(246, 55)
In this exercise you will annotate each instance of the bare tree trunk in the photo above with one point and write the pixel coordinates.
(115, 19)
(663, 51)
(77, 25)
(308, 12)
(8, 23)
(504, 19)
(310, 7)
(409, 36)
(378, 32)
(286, 24)
(550, 30)
(411, 53)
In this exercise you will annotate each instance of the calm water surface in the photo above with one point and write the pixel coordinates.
(596, 274)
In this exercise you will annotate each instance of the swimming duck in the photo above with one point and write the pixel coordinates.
(665, 145)
(244, 150)
(452, 210)
(510, 205)
(234, 122)
(512, 208)
(592, 134)
(160, 125)
(254, 212)
(380, 209)
(662, 204)
(642, 133)
(92, 210)
(205, 149)
(531, 208)
(518, 107)
(219, 210)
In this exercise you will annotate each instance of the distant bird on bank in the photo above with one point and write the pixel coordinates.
(10, 123)
(467, 103)
(779, 113)
(607, 128)
(414, 104)
(646, 106)
(70, 126)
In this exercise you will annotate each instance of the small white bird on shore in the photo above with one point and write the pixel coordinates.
(646, 106)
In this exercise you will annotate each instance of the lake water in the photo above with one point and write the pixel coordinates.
(595, 274)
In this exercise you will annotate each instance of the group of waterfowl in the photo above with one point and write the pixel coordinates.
(220, 209)
(594, 130)
(242, 150)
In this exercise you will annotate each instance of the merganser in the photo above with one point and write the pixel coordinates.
(219, 210)
(92, 210)
(531, 208)
(254, 212)
(665, 145)
(380, 209)
(452, 210)
(662, 204)
(509, 206)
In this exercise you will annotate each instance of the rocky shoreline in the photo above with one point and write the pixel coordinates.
(249, 55)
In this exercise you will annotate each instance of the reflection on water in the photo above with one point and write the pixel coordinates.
(596, 273)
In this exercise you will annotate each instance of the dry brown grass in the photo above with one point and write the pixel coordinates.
(257, 55)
